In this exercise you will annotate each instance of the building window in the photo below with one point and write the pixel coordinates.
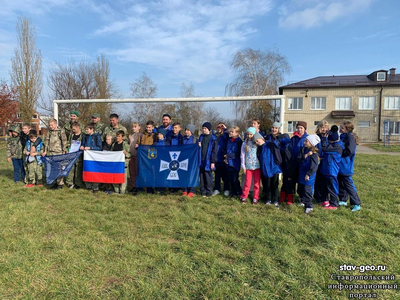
(35, 116)
(392, 103)
(381, 76)
(394, 128)
(295, 103)
(367, 103)
(363, 124)
(318, 103)
(343, 103)
(316, 123)
(18, 116)
(291, 126)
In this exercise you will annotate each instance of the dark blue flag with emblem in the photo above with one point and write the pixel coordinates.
(59, 165)
(168, 166)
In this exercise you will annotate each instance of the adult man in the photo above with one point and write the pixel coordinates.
(166, 124)
(221, 172)
(113, 128)
(98, 125)
(73, 117)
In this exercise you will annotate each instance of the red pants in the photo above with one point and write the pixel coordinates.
(250, 174)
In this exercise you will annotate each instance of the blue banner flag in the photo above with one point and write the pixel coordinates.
(168, 166)
(59, 165)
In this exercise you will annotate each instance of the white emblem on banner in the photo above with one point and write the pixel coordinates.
(174, 165)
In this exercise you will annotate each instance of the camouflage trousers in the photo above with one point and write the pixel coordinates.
(76, 173)
(34, 173)
(121, 188)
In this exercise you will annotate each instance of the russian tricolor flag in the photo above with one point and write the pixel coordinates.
(104, 166)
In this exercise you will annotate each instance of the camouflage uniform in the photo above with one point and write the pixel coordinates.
(14, 151)
(99, 128)
(34, 168)
(56, 144)
(113, 132)
(121, 188)
(76, 174)
(68, 130)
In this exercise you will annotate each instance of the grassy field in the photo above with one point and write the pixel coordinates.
(71, 244)
(380, 147)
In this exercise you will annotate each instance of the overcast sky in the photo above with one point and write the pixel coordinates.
(193, 41)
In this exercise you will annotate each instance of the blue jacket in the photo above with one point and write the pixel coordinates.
(189, 140)
(308, 166)
(271, 138)
(93, 141)
(331, 158)
(39, 147)
(297, 144)
(346, 165)
(211, 156)
(163, 142)
(270, 159)
(324, 142)
(233, 151)
(174, 139)
(222, 144)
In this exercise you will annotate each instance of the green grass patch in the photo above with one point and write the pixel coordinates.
(72, 244)
(380, 147)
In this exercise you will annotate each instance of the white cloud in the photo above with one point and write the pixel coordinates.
(191, 40)
(310, 13)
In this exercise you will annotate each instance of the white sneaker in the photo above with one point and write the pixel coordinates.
(226, 193)
(308, 210)
(216, 193)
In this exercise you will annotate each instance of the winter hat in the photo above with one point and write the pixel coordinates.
(207, 125)
(190, 127)
(302, 123)
(162, 131)
(251, 130)
(333, 135)
(278, 125)
(313, 139)
(257, 135)
(74, 112)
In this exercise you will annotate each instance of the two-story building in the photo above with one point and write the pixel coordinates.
(371, 102)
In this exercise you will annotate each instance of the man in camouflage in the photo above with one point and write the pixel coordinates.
(113, 128)
(73, 117)
(55, 144)
(98, 125)
(75, 176)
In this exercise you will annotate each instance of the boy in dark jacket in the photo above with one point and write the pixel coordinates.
(233, 161)
(208, 157)
(221, 172)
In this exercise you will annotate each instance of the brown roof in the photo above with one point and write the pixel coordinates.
(344, 81)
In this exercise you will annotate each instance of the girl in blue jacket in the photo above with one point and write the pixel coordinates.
(322, 131)
(308, 170)
(346, 165)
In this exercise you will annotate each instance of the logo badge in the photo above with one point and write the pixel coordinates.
(152, 154)
(174, 165)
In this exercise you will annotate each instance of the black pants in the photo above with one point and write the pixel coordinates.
(221, 173)
(346, 189)
(319, 188)
(234, 183)
(305, 193)
(206, 183)
(270, 188)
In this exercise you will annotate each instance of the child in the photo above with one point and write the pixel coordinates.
(332, 154)
(108, 144)
(148, 137)
(270, 184)
(188, 139)
(92, 141)
(14, 153)
(308, 171)
(251, 167)
(233, 161)
(322, 132)
(133, 166)
(286, 166)
(161, 137)
(33, 152)
(175, 138)
(121, 145)
(297, 145)
(74, 179)
(55, 144)
(256, 124)
(208, 157)
(221, 172)
(346, 185)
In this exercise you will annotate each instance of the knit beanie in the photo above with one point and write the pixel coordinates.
(207, 125)
(74, 112)
(162, 131)
(257, 136)
(277, 125)
(251, 130)
(313, 139)
(190, 127)
(333, 135)
(302, 123)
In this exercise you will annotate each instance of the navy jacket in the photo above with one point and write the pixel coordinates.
(346, 164)
(297, 144)
(308, 166)
(222, 144)
(211, 156)
(93, 141)
(233, 151)
(270, 159)
(331, 158)
(189, 140)
(174, 139)
(161, 143)
(271, 138)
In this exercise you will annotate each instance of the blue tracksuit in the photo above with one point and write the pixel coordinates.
(205, 164)
(308, 166)
(233, 156)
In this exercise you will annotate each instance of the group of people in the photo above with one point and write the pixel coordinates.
(320, 165)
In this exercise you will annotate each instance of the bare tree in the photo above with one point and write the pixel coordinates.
(189, 112)
(257, 73)
(26, 73)
(84, 80)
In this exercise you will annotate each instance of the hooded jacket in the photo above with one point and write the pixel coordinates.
(346, 164)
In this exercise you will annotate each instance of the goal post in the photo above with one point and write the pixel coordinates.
(281, 98)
